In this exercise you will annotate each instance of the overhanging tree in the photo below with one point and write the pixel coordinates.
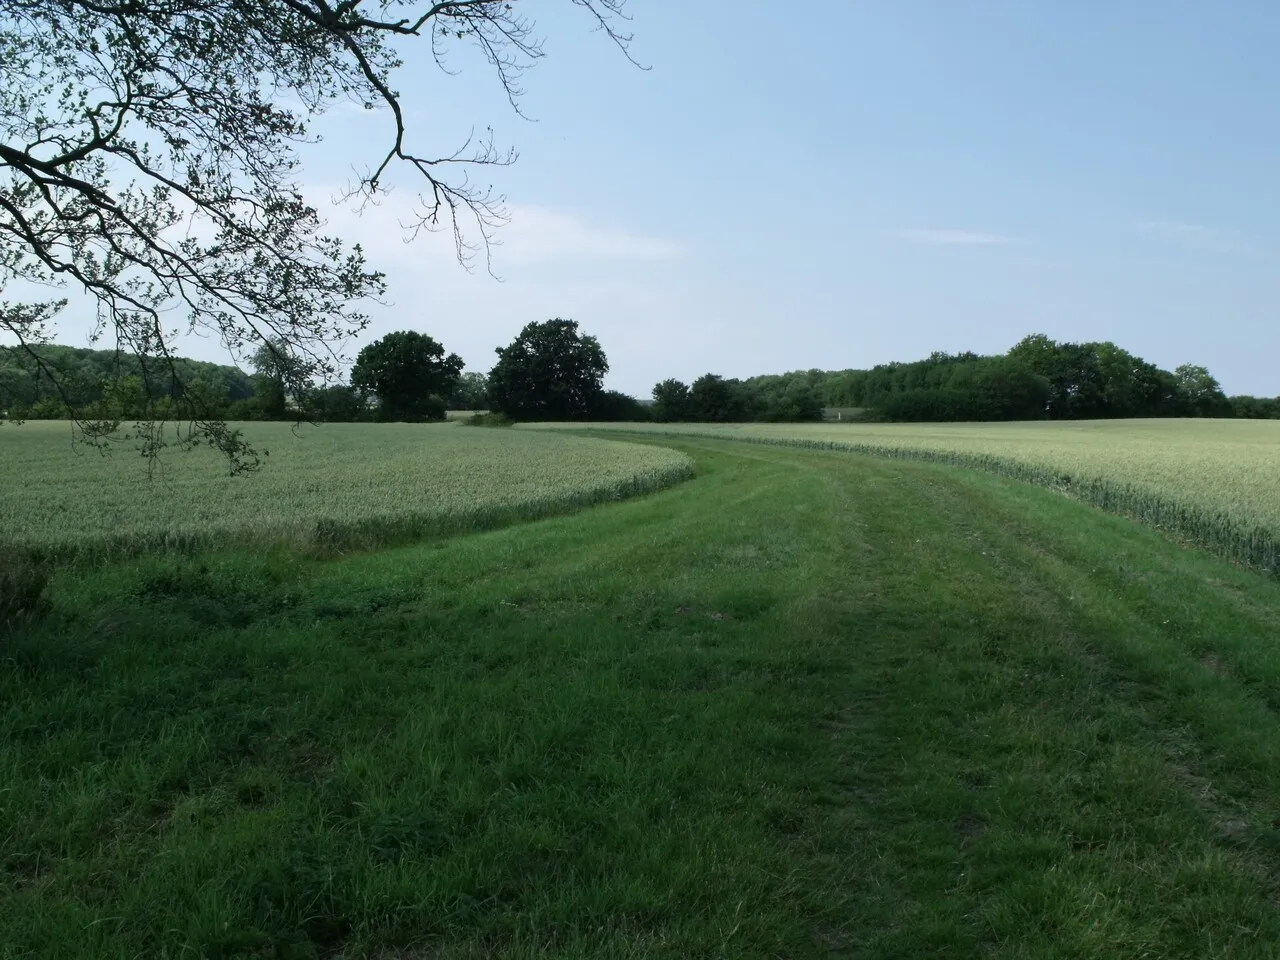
(149, 155)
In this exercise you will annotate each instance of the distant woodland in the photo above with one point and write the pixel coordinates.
(1038, 378)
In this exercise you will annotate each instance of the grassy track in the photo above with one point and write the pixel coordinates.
(807, 704)
(1212, 482)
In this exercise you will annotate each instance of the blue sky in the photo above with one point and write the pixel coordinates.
(847, 183)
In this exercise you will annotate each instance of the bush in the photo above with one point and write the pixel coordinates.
(613, 405)
(487, 420)
(336, 403)
(250, 409)
(713, 399)
(428, 409)
(795, 403)
(48, 408)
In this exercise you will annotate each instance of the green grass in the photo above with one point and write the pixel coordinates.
(336, 487)
(1215, 483)
(805, 705)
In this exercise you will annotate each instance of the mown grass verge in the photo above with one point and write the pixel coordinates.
(1219, 531)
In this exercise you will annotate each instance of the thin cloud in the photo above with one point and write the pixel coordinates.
(1177, 228)
(538, 234)
(956, 238)
(1202, 237)
(533, 235)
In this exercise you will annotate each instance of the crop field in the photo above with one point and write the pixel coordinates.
(335, 486)
(1213, 482)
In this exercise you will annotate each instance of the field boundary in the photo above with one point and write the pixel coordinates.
(328, 535)
(1211, 530)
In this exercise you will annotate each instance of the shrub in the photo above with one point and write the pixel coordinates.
(488, 420)
(613, 405)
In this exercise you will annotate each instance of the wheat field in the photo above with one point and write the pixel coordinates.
(332, 486)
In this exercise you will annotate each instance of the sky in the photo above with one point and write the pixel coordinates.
(843, 184)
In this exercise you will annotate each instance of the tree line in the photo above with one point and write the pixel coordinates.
(553, 371)
(1037, 378)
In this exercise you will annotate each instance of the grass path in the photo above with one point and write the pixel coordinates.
(807, 704)
(1214, 483)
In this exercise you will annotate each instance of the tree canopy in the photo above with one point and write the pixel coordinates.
(549, 372)
(409, 375)
(85, 375)
(713, 399)
(1079, 380)
(149, 157)
(470, 393)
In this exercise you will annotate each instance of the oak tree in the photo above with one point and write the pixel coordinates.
(408, 374)
(549, 372)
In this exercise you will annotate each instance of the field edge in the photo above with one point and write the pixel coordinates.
(328, 535)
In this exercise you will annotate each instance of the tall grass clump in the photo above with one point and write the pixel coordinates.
(22, 589)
